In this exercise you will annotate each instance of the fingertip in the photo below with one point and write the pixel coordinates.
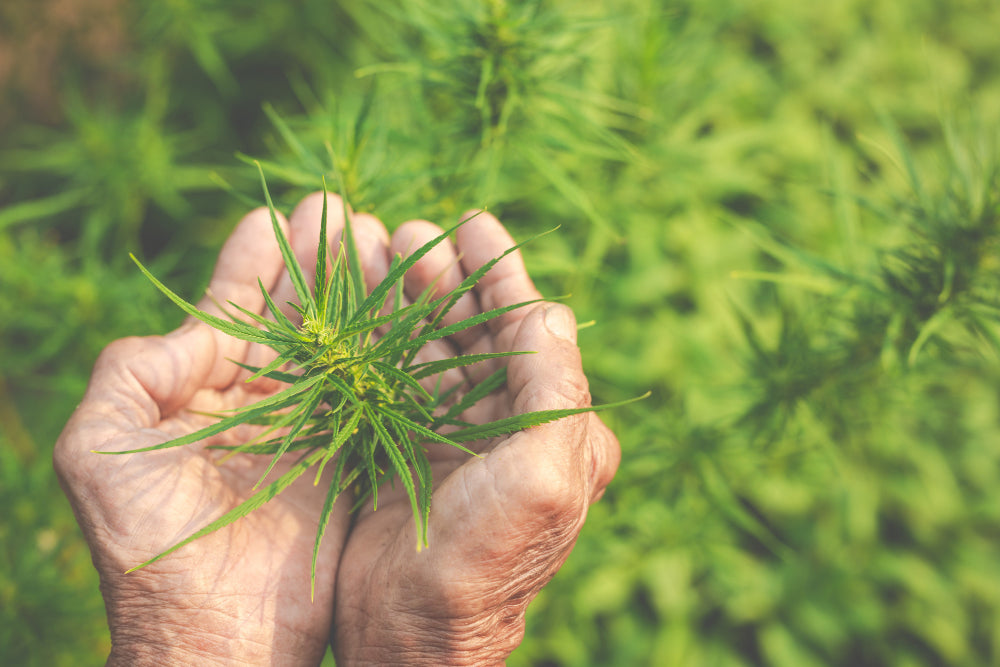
(439, 267)
(247, 254)
(311, 207)
(372, 242)
(553, 378)
(412, 234)
(546, 328)
(483, 236)
(306, 221)
(560, 322)
(479, 216)
(605, 459)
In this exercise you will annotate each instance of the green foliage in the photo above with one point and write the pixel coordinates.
(40, 550)
(808, 286)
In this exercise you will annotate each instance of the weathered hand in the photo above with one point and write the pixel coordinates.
(500, 524)
(240, 595)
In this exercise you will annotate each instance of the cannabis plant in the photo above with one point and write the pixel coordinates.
(354, 398)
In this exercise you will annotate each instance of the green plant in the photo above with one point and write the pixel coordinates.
(354, 397)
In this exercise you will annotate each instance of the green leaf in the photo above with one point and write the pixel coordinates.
(529, 419)
(425, 475)
(373, 323)
(335, 315)
(399, 464)
(269, 447)
(287, 378)
(324, 520)
(302, 290)
(376, 299)
(357, 276)
(276, 402)
(276, 328)
(568, 188)
(402, 376)
(305, 411)
(46, 207)
(468, 322)
(419, 371)
(276, 312)
(272, 368)
(345, 432)
(408, 423)
(473, 279)
(321, 260)
(421, 467)
(481, 390)
(791, 255)
(292, 140)
(236, 329)
(393, 343)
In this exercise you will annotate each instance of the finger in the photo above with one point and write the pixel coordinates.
(139, 380)
(372, 242)
(524, 503)
(554, 379)
(248, 254)
(135, 383)
(303, 237)
(302, 232)
(440, 271)
(480, 240)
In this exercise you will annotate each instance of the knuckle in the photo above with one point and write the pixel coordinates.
(551, 501)
(61, 458)
(367, 224)
(606, 456)
(123, 348)
(565, 391)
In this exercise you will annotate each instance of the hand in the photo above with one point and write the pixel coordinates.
(242, 594)
(501, 524)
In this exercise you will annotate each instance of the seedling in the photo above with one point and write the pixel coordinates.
(354, 398)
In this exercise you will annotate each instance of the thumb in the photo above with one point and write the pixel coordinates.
(506, 522)
(545, 470)
(553, 377)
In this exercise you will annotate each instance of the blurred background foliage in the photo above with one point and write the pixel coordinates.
(783, 217)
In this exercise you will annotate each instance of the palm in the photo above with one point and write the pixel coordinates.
(180, 490)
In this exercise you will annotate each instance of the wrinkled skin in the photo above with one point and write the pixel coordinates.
(501, 524)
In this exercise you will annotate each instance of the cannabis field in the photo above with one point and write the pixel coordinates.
(781, 218)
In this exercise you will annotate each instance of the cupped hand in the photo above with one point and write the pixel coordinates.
(502, 523)
(240, 595)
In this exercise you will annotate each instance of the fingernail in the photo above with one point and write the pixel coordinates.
(560, 322)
